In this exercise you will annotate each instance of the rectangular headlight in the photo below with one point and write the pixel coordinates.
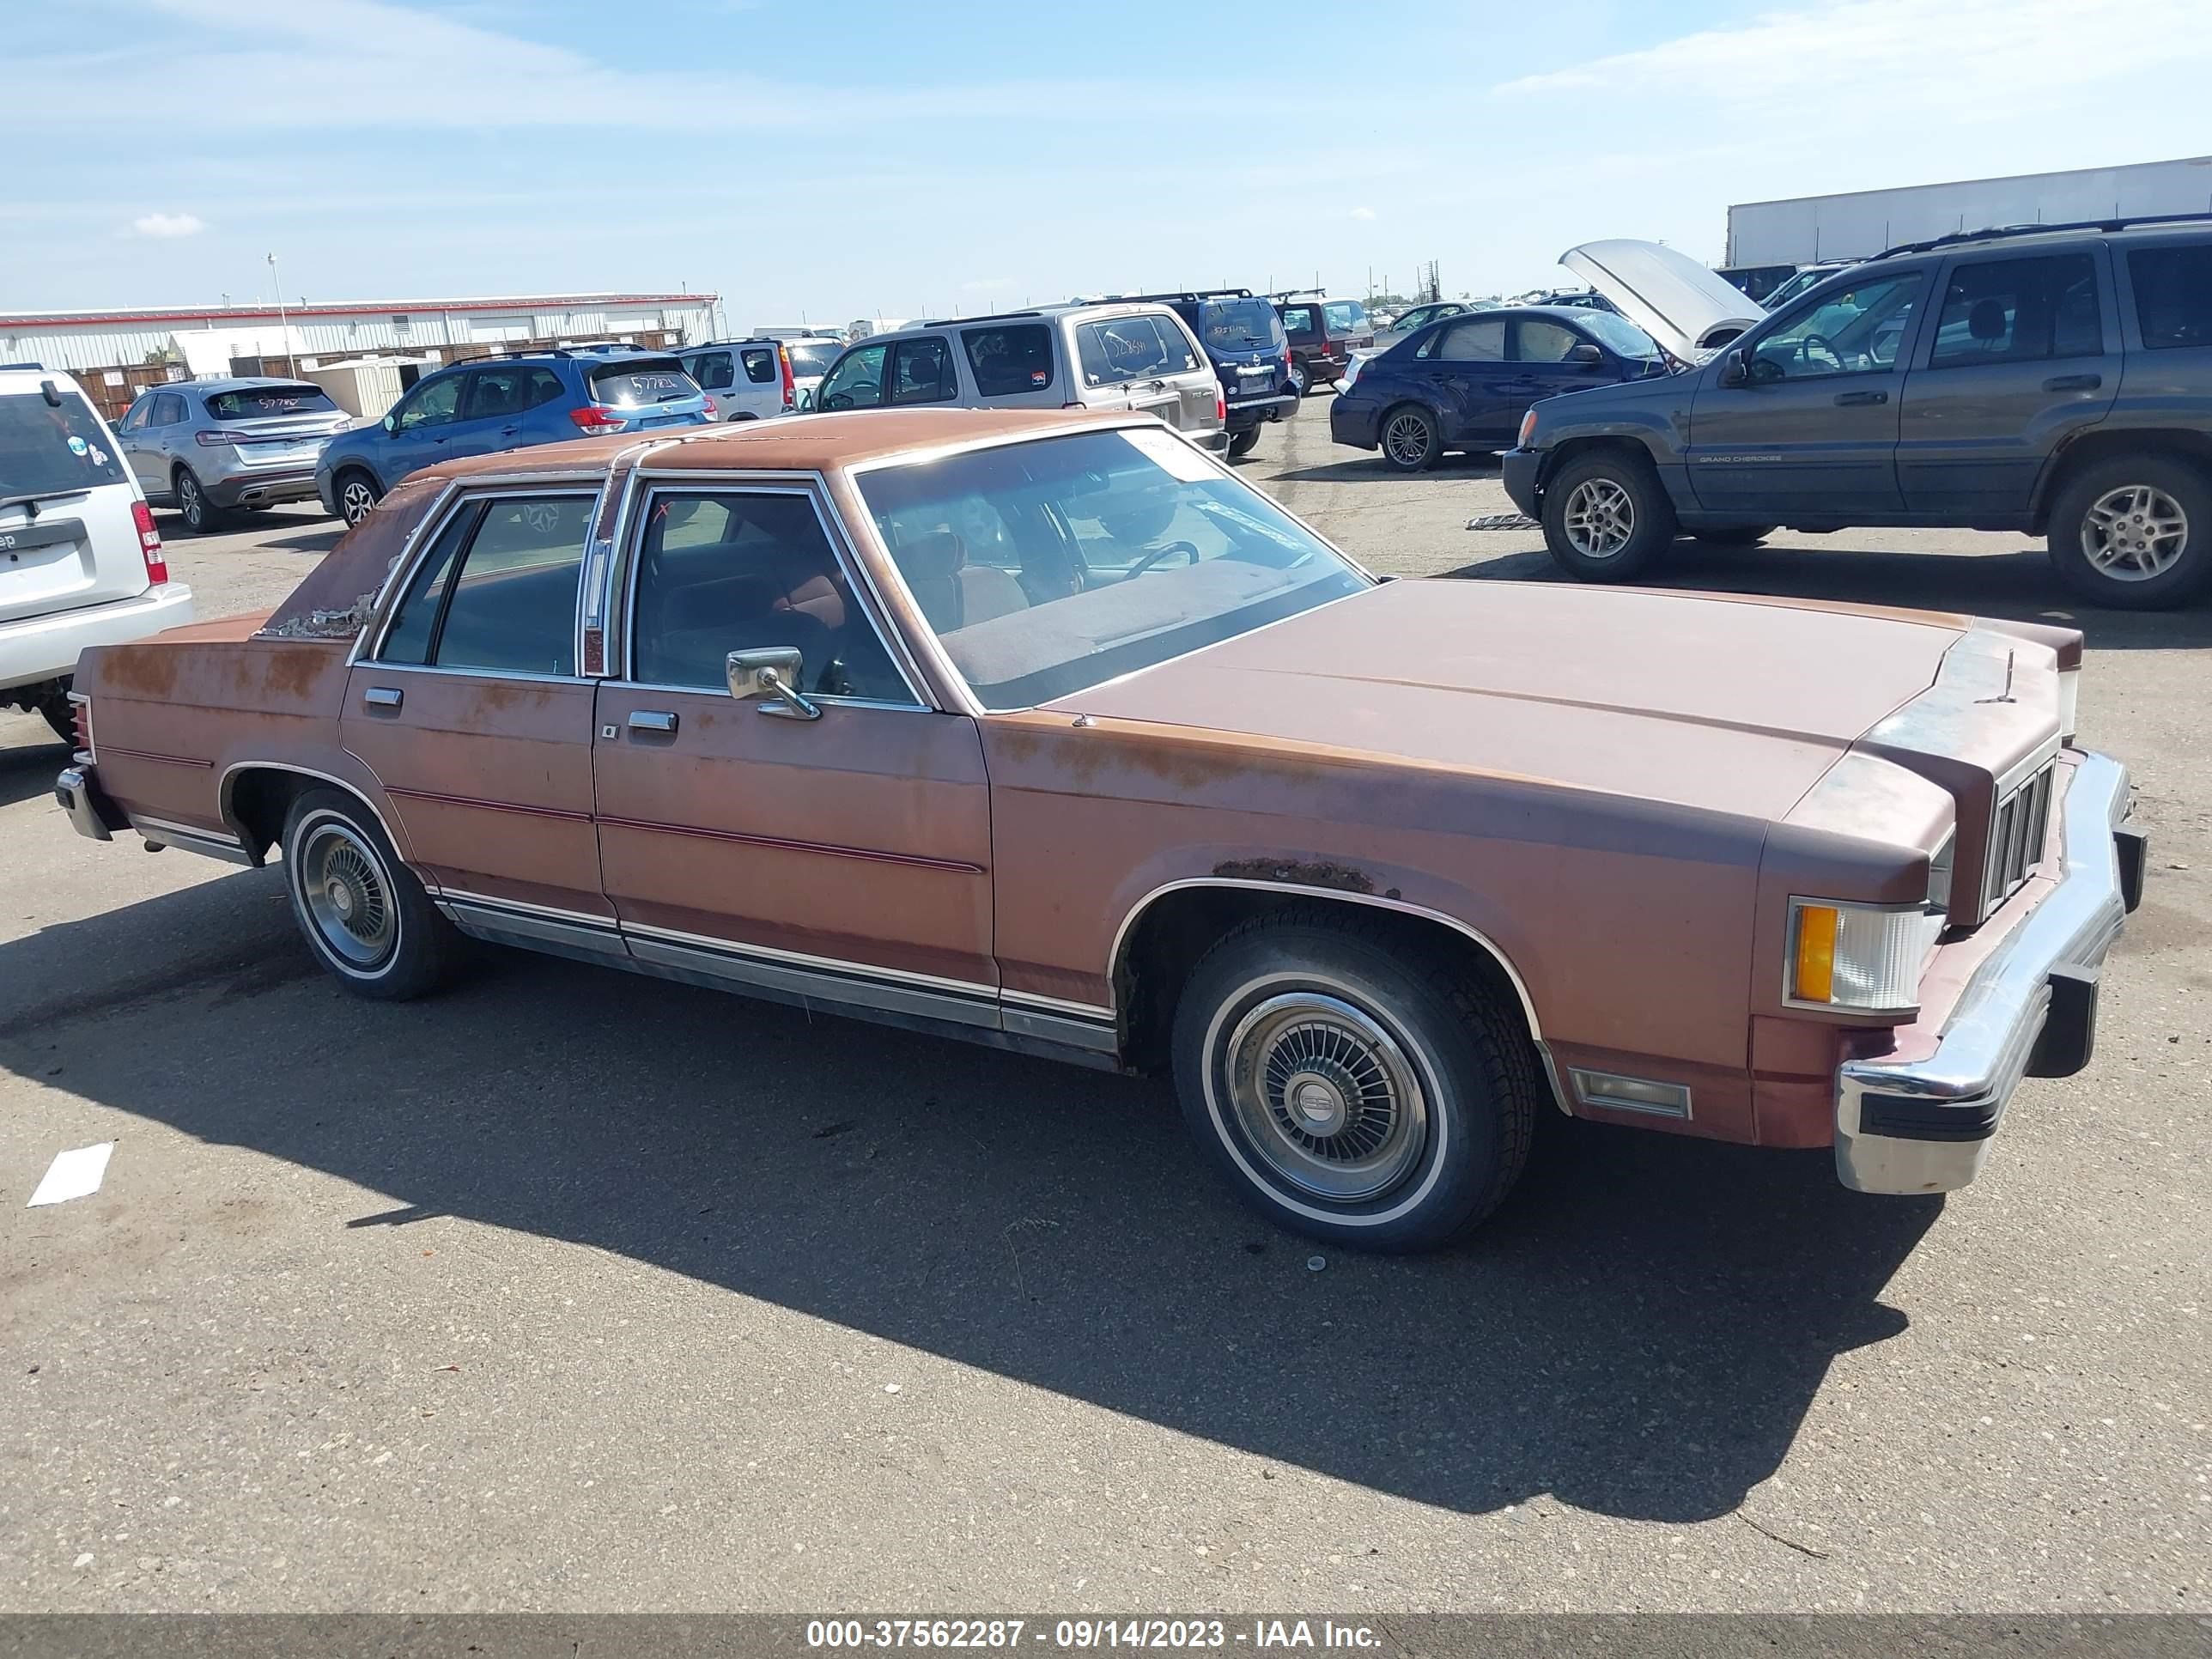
(1858, 958)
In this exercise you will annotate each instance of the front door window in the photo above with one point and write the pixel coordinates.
(1858, 332)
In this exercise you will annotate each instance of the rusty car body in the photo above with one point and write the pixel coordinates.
(1043, 730)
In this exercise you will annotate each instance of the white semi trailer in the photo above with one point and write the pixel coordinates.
(1857, 224)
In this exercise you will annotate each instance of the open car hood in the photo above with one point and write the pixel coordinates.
(1670, 296)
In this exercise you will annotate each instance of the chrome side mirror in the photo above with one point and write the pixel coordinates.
(770, 676)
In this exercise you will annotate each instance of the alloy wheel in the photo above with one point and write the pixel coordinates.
(2134, 533)
(1599, 518)
(355, 500)
(1406, 438)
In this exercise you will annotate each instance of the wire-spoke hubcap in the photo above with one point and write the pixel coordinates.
(2134, 533)
(1600, 518)
(1407, 438)
(355, 502)
(348, 894)
(1325, 1097)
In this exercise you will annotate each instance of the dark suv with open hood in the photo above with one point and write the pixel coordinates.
(2053, 380)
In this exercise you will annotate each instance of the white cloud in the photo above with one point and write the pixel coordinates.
(168, 224)
(1363, 213)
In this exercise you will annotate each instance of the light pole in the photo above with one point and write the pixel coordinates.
(283, 324)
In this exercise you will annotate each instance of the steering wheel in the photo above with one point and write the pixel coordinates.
(1159, 553)
(1806, 343)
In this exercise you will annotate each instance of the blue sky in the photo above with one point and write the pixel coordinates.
(868, 157)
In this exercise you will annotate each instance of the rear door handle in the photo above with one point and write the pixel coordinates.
(383, 696)
(2074, 383)
(652, 719)
(1847, 399)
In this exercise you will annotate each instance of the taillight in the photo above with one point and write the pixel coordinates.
(214, 439)
(1220, 408)
(711, 407)
(81, 722)
(149, 544)
(790, 388)
(592, 417)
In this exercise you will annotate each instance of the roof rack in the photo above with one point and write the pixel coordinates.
(1169, 299)
(1995, 233)
(987, 317)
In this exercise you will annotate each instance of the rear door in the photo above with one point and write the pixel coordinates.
(68, 537)
(922, 371)
(1466, 370)
(715, 371)
(469, 707)
(493, 405)
(1812, 431)
(2025, 354)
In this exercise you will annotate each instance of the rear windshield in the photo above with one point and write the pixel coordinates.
(811, 361)
(261, 402)
(49, 451)
(1346, 314)
(642, 381)
(1238, 324)
(1128, 347)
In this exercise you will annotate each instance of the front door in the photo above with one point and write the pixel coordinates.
(844, 857)
(2024, 354)
(422, 424)
(1812, 431)
(471, 713)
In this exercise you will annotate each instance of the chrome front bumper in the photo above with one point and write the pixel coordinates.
(1924, 1126)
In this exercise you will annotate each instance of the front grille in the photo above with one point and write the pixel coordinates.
(2016, 836)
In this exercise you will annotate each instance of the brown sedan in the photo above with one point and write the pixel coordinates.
(1045, 730)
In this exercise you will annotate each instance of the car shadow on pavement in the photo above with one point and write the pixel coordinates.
(1367, 468)
(27, 770)
(2018, 585)
(1640, 1332)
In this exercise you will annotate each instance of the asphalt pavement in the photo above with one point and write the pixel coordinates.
(569, 1291)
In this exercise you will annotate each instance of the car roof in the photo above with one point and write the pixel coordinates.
(793, 443)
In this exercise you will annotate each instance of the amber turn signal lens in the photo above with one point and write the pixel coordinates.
(1812, 977)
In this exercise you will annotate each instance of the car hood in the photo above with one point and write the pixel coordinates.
(1726, 703)
(1670, 296)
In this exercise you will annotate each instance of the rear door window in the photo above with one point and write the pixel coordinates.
(648, 381)
(1476, 341)
(497, 594)
(49, 449)
(1998, 311)
(1010, 359)
(922, 372)
(494, 392)
(265, 402)
(760, 364)
(2174, 295)
(713, 371)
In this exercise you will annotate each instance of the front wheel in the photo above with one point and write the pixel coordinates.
(1349, 1089)
(200, 514)
(1243, 443)
(1607, 519)
(357, 496)
(365, 916)
(2134, 534)
(1410, 438)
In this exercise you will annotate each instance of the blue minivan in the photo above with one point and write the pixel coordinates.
(506, 403)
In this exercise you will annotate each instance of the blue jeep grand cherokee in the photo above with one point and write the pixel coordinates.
(506, 403)
(2051, 379)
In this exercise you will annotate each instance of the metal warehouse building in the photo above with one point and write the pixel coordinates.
(115, 353)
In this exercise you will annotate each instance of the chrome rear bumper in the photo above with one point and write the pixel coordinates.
(1924, 1126)
(90, 813)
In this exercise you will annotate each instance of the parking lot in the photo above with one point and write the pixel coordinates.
(570, 1290)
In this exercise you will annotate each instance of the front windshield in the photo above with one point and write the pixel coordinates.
(1239, 325)
(1048, 567)
(1620, 337)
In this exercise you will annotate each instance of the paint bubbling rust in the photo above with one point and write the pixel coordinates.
(343, 624)
(1338, 877)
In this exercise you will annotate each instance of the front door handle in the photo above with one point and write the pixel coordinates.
(653, 719)
(1848, 398)
(2074, 383)
(383, 696)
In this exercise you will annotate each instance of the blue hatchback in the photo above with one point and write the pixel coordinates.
(1465, 382)
(506, 403)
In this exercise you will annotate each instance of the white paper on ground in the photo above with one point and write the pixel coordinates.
(75, 1174)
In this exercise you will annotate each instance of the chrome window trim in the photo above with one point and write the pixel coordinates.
(881, 549)
(622, 655)
(960, 987)
(480, 673)
(456, 498)
(825, 698)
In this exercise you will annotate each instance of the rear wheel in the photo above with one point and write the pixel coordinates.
(1410, 439)
(1735, 535)
(200, 514)
(1243, 443)
(357, 496)
(2134, 533)
(363, 913)
(1351, 1090)
(1607, 519)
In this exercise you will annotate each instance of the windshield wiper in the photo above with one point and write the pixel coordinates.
(34, 497)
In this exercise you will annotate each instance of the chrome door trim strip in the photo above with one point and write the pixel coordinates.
(1057, 1005)
(142, 821)
(155, 833)
(521, 906)
(1053, 1028)
(117, 750)
(836, 965)
(488, 921)
(834, 989)
(783, 844)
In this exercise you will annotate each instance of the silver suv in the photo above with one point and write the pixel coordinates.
(205, 447)
(1081, 357)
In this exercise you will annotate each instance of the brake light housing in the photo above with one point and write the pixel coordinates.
(1220, 408)
(713, 408)
(596, 418)
(212, 439)
(149, 544)
(790, 386)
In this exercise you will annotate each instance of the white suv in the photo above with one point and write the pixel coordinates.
(80, 562)
(1109, 355)
(747, 380)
